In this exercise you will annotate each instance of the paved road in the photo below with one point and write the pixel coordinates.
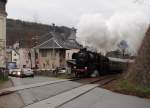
(100, 98)
(29, 80)
(32, 95)
(55, 101)
(11, 101)
(59, 94)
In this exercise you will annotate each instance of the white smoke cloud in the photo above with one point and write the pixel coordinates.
(104, 34)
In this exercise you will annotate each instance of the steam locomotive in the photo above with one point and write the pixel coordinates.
(86, 63)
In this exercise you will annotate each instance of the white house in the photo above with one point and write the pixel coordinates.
(21, 56)
(15, 57)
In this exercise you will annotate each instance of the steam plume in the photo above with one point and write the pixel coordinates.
(105, 34)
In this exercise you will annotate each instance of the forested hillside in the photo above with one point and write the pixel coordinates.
(24, 32)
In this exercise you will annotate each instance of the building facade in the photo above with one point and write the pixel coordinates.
(51, 58)
(3, 16)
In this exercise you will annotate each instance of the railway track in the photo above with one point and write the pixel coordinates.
(89, 83)
(103, 80)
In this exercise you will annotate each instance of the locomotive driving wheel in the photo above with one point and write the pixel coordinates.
(75, 74)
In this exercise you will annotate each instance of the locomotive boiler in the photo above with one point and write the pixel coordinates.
(87, 62)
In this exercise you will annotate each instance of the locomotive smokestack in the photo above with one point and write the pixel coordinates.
(84, 49)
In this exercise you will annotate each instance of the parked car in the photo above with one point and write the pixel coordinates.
(61, 70)
(23, 72)
(27, 72)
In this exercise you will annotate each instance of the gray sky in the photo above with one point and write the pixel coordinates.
(66, 12)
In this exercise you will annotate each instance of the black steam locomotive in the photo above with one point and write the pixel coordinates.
(87, 62)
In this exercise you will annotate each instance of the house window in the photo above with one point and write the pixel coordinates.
(44, 53)
(54, 53)
(14, 54)
(15, 60)
(68, 55)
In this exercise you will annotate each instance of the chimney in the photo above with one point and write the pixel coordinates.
(73, 34)
(53, 27)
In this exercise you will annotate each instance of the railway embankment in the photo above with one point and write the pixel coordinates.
(128, 88)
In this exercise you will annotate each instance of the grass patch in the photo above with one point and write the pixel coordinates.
(128, 88)
(3, 79)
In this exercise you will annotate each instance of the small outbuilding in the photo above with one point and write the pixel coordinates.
(54, 49)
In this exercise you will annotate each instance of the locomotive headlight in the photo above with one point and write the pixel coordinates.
(86, 68)
(18, 73)
(74, 67)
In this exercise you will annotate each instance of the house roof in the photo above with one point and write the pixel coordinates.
(10, 50)
(72, 44)
(44, 38)
(51, 40)
(57, 40)
(49, 44)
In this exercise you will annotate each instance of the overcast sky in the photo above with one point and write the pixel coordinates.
(66, 12)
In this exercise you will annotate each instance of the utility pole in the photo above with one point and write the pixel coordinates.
(53, 55)
(30, 46)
